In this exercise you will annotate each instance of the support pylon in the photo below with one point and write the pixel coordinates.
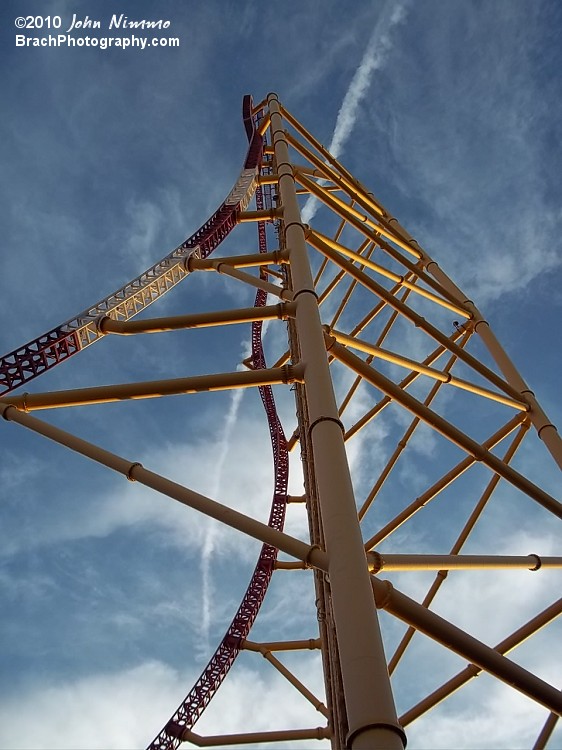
(405, 401)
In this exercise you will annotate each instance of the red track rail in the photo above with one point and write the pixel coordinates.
(220, 663)
(57, 345)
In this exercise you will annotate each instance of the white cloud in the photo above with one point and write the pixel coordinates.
(496, 717)
(118, 710)
(280, 705)
(126, 709)
(459, 143)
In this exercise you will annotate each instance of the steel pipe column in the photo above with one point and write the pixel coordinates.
(372, 719)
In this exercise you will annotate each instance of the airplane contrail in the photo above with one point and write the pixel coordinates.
(209, 542)
(211, 532)
(374, 58)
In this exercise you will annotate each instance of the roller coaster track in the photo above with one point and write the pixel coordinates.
(64, 341)
(220, 663)
(356, 281)
(57, 345)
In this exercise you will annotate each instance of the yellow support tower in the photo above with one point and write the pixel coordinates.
(412, 425)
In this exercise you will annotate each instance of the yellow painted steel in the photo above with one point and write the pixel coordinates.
(386, 400)
(350, 214)
(393, 562)
(371, 723)
(411, 364)
(263, 649)
(196, 320)
(387, 273)
(286, 735)
(329, 158)
(276, 257)
(136, 472)
(403, 442)
(442, 483)
(323, 171)
(504, 647)
(448, 430)
(106, 394)
(359, 703)
(310, 644)
(411, 315)
(276, 291)
(461, 539)
(267, 214)
(437, 628)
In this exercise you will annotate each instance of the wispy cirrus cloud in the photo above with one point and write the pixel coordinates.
(473, 171)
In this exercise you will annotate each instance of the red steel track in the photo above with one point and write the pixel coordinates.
(220, 663)
(60, 343)
(57, 345)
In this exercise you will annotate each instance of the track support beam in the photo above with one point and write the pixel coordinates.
(154, 389)
(287, 735)
(485, 657)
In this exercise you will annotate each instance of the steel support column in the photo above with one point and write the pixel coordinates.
(369, 702)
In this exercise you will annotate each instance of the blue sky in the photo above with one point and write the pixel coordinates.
(110, 159)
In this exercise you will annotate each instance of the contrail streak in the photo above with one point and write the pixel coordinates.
(374, 58)
(212, 528)
(211, 534)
